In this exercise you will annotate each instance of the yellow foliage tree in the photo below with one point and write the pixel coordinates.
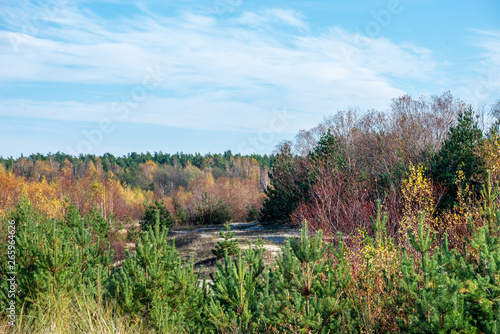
(490, 151)
(99, 197)
(91, 170)
(44, 197)
(456, 221)
(417, 196)
(147, 170)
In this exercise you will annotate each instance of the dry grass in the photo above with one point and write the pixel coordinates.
(72, 313)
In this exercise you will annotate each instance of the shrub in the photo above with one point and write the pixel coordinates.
(253, 214)
(489, 150)
(337, 202)
(417, 197)
(157, 213)
(376, 274)
(212, 211)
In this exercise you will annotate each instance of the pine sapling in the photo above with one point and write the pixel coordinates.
(488, 207)
(378, 225)
(228, 245)
(424, 242)
(310, 253)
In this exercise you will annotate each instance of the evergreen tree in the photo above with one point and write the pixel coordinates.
(97, 222)
(52, 259)
(157, 213)
(458, 153)
(237, 304)
(307, 293)
(481, 277)
(289, 185)
(155, 283)
(228, 246)
(329, 151)
(72, 216)
(253, 214)
(433, 289)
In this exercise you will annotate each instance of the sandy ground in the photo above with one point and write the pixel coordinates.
(198, 241)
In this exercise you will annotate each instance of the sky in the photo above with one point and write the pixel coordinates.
(208, 76)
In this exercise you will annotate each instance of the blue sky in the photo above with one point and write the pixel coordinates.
(208, 76)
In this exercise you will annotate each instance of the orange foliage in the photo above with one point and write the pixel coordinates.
(93, 190)
(87, 185)
(239, 194)
(10, 190)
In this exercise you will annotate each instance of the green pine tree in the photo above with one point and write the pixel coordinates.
(228, 246)
(150, 218)
(238, 300)
(434, 292)
(52, 259)
(289, 185)
(458, 153)
(155, 283)
(307, 289)
(72, 217)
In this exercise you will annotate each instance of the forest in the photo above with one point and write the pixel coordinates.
(398, 210)
(122, 187)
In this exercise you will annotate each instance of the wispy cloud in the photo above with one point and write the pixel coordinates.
(490, 42)
(273, 16)
(218, 74)
(484, 87)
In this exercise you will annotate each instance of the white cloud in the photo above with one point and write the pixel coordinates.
(219, 74)
(250, 19)
(491, 46)
(484, 88)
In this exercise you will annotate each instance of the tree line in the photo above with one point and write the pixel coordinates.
(333, 174)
